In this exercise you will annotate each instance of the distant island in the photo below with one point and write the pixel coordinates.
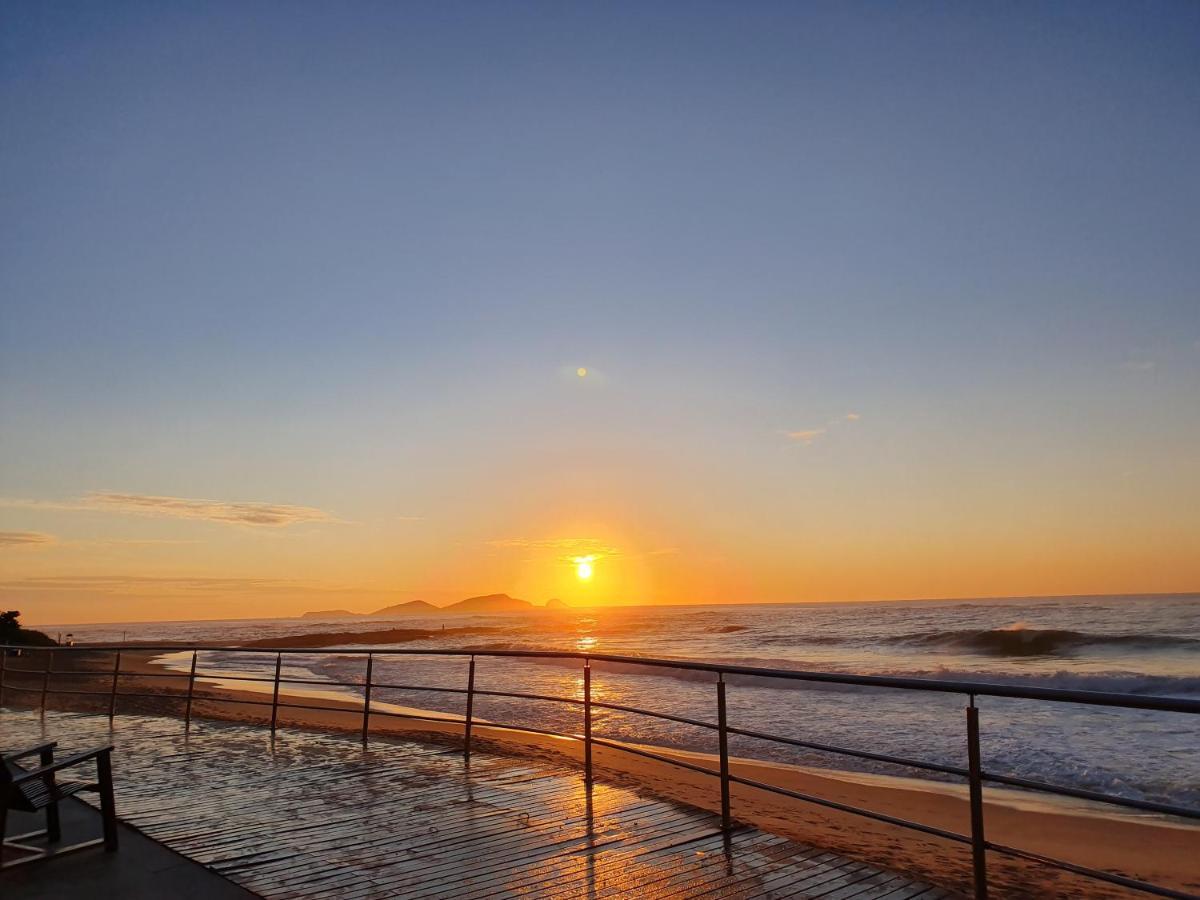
(411, 608)
(483, 605)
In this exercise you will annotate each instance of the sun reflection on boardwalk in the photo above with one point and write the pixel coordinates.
(320, 815)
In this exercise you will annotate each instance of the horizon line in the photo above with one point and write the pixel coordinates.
(537, 607)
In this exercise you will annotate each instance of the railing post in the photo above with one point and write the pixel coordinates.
(975, 774)
(46, 678)
(587, 721)
(275, 694)
(470, 708)
(367, 699)
(112, 695)
(723, 737)
(187, 714)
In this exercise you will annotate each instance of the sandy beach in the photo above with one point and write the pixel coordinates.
(1147, 847)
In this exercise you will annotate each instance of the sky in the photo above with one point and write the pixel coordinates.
(874, 301)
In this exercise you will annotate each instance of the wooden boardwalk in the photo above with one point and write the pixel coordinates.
(315, 815)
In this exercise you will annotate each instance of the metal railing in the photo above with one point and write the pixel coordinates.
(974, 773)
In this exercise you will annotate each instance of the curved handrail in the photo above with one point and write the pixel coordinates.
(976, 688)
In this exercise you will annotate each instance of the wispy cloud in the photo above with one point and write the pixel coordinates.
(268, 515)
(103, 588)
(574, 548)
(24, 539)
(155, 585)
(271, 515)
(569, 547)
(128, 542)
(806, 436)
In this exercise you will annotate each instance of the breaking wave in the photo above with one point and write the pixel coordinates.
(1024, 641)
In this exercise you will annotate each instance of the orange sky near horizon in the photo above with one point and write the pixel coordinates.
(204, 569)
(870, 512)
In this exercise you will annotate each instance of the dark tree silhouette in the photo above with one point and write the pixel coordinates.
(11, 631)
(9, 625)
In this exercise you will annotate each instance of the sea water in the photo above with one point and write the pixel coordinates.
(1137, 645)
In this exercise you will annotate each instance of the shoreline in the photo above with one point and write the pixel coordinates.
(1145, 846)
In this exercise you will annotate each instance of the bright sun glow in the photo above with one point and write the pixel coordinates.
(583, 566)
(581, 372)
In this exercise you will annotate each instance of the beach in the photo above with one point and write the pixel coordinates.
(1146, 847)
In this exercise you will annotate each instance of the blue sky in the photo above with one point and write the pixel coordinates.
(346, 257)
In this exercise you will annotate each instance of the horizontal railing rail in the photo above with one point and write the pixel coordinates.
(973, 773)
(979, 688)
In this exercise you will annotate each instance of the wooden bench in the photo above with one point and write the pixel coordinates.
(33, 790)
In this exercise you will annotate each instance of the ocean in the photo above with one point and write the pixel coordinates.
(1140, 645)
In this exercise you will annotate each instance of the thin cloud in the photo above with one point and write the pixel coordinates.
(123, 584)
(25, 539)
(570, 547)
(129, 542)
(574, 549)
(270, 515)
(806, 436)
(1139, 365)
(264, 515)
(46, 505)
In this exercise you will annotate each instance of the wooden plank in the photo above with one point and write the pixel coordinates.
(314, 815)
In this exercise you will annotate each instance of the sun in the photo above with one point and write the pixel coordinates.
(583, 567)
(581, 372)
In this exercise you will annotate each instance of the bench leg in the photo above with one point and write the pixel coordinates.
(53, 828)
(108, 805)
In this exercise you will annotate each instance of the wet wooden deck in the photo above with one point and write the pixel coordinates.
(314, 815)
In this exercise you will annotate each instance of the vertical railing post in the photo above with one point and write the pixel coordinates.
(470, 708)
(723, 738)
(112, 694)
(275, 694)
(187, 713)
(975, 774)
(587, 721)
(366, 726)
(46, 678)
